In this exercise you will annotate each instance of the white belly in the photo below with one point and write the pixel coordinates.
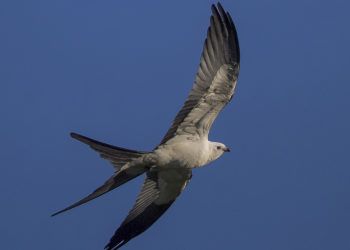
(185, 154)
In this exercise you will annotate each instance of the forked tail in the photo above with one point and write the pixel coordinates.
(118, 157)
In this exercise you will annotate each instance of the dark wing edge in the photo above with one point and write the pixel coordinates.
(150, 205)
(220, 47)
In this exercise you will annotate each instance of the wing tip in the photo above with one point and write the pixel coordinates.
(226, 19)
(237, 48)
(217, 8)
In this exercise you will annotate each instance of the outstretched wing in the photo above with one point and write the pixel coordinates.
(159, 191)
(215, 80)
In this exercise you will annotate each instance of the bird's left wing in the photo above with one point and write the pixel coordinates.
(215, 80)
(159, 191)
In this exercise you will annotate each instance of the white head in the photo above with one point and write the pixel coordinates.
(217, 149)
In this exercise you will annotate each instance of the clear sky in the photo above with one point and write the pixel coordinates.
(118, 71)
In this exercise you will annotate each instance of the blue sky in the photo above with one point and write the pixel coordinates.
(118, 71)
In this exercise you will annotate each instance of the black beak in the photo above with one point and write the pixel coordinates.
(227, 149)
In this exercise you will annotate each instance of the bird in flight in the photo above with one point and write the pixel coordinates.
(168, 168)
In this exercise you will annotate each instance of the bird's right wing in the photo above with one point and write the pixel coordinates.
(215, 81)
(159, 191)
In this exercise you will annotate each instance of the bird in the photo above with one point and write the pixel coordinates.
(185, 146)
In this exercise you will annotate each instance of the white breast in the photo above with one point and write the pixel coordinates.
(185, 154)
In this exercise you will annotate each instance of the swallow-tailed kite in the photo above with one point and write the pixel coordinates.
(168, 168)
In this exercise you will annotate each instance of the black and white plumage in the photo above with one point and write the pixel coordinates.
(168, 168)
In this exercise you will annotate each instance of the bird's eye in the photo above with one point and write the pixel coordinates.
(218, 147)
